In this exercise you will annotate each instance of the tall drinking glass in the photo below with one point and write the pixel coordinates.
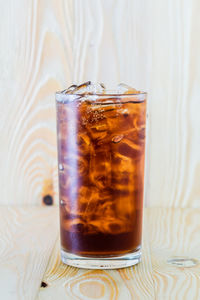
(101, 152)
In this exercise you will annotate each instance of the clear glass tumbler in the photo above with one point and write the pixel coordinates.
(101, 152)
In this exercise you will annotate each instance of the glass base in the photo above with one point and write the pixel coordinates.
(116, 262)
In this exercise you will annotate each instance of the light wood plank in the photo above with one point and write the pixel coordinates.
(36, 60)
(47, 45)
(65, 282)
(174, 232)
(174, 104)
(27, 237)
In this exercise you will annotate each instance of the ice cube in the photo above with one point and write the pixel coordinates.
(109, 224)
(114, 226)
(100, 169)
(82, 88)
(123, 88)
(70, 89)
(100, 127)
(122, 168)
(97, 88)
(130, 149)
(124, 208)
(89, 88)
(98, 132)
(75, 225)
(83, 142)
(106, 208)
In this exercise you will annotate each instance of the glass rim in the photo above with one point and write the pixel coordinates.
(61, 96)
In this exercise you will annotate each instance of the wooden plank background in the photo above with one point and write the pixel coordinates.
(46, 45)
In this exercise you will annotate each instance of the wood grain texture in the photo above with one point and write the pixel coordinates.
(29, 254)
(36, 61)
(174, 104)
(27, 237)
(174, 232)
(47, 45)
(167, 233)
(66, 282)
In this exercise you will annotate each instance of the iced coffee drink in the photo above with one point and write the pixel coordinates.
(101, 150)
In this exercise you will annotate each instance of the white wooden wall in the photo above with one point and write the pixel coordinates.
(45, 45)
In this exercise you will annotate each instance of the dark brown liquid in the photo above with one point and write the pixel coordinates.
(101, 173)
(101, 243)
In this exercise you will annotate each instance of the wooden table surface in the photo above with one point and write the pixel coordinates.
(29, 255)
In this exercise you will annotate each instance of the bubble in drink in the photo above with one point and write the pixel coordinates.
(117, 138)
(101, 144)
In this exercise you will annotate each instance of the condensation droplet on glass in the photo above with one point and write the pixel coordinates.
(182, 261)
(60, 167)
(117, 138)
(62, 202)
